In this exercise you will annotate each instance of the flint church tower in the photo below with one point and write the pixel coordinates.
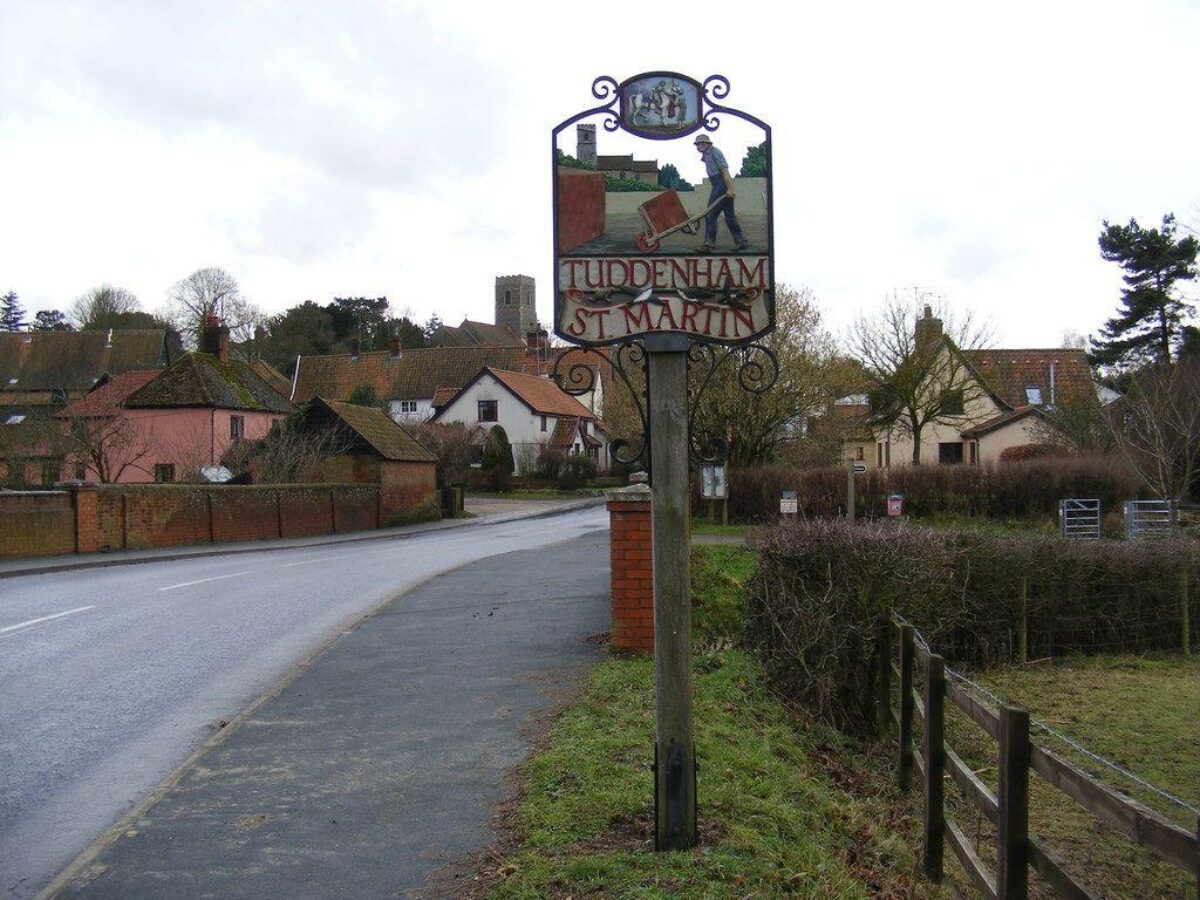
(585, 144)
(516, 309)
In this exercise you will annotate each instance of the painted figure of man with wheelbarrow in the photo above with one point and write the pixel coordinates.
(720, 200)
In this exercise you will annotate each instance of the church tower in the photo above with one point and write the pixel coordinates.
(585, 144)
(516, 309)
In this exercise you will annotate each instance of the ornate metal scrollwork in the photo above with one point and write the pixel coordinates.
(757, 372)
(626, 360)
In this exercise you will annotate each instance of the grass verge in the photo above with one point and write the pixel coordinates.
(783, 811)
(1141, 713)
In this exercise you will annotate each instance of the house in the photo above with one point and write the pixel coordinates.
(42, 372)
(534, 414)
(376, 451)
(1005, 397)
(170, 425)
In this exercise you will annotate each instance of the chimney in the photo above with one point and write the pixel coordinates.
(354, 347)
(214, 338)
(394, 347)
(928, 330)
(108, 343)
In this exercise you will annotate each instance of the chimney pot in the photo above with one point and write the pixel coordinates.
(354, 347)
(394, 347)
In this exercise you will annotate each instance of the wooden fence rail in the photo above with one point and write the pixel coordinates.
(1008, 809)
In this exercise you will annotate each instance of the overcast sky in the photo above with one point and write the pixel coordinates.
(317, 149)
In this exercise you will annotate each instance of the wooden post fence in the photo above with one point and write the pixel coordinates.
(935, 764)
(905, 765)
(1008, 808)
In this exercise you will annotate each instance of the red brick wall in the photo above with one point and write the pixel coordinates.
(408, 492)
(137, 516)
(632, 570)
(38, 523)
(580, 207)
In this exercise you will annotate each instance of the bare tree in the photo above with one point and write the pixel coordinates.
(101, 307)
(811, 376)
(105, 445)
(1156, 426)
(212, 292)
(918, 365)
(291, 453)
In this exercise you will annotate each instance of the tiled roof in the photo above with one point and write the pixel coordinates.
(272, 376)
(474, 334)
(541, 395)
(442, 396)
(1009, 372)
(106, 400)
(564, 434)
(203, 380)
(1001, 420)
(389, 439)
(73, 361)
(413, 375)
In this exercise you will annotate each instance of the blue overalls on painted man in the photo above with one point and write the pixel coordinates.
(714, 162)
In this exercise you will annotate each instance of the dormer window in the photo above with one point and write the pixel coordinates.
(1033, 395)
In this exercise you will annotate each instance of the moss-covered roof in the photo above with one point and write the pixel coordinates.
(204, 380)
(73, 361)
(389, 439)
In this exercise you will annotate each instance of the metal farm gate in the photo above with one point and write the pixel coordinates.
(1148, 518)
(1079, 519)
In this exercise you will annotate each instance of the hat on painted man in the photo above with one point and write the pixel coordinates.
(703, 139)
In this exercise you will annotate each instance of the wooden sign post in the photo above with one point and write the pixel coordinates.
(661, 277)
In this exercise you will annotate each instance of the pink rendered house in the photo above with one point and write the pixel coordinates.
(166, 426)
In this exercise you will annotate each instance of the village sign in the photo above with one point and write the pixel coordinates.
(632, 262)
(681, 281)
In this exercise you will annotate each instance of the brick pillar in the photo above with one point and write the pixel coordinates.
(632, 569)
(87, 514)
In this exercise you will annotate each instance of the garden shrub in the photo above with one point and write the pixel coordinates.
(823, 589)
(577, 470)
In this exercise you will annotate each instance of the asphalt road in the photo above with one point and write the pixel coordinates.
(113, 677)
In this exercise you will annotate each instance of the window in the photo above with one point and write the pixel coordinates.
(237, 427)
(1033, 395)
(879, 455)
(508, 298)
(950, 453)
(49, 473)
(408, 407)
(80, 473)
(487, 411)
(952, 403)
(974, 453)
(164, 473)
(859, 453)
(543, 423)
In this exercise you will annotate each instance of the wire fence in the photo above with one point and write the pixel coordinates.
(1096, 758)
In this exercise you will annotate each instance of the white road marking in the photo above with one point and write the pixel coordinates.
(172, 587)
(69, 612)
(310, 561)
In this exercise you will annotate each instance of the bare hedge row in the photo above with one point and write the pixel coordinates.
(1010, 490)
(824, 588)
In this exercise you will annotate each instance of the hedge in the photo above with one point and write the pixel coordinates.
(1010, 490)
(823, 590)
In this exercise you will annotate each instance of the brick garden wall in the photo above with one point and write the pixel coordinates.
(408, 492)
(85, 518)
(36, 523)
(632, 569)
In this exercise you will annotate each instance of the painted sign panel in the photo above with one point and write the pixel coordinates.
(675, 236)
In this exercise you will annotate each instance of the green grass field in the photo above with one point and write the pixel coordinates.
(1141, 713)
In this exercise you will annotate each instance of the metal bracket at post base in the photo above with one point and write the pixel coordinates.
(678, 836)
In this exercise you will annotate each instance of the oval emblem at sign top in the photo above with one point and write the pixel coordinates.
(661, 105)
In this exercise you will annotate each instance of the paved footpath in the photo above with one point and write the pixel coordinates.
(384, 759)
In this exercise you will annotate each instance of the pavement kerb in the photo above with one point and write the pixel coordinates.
(32, 566)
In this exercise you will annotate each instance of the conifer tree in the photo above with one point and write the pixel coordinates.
(12, 316)
(1149, 322)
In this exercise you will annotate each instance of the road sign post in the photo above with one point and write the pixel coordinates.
(634, 274)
